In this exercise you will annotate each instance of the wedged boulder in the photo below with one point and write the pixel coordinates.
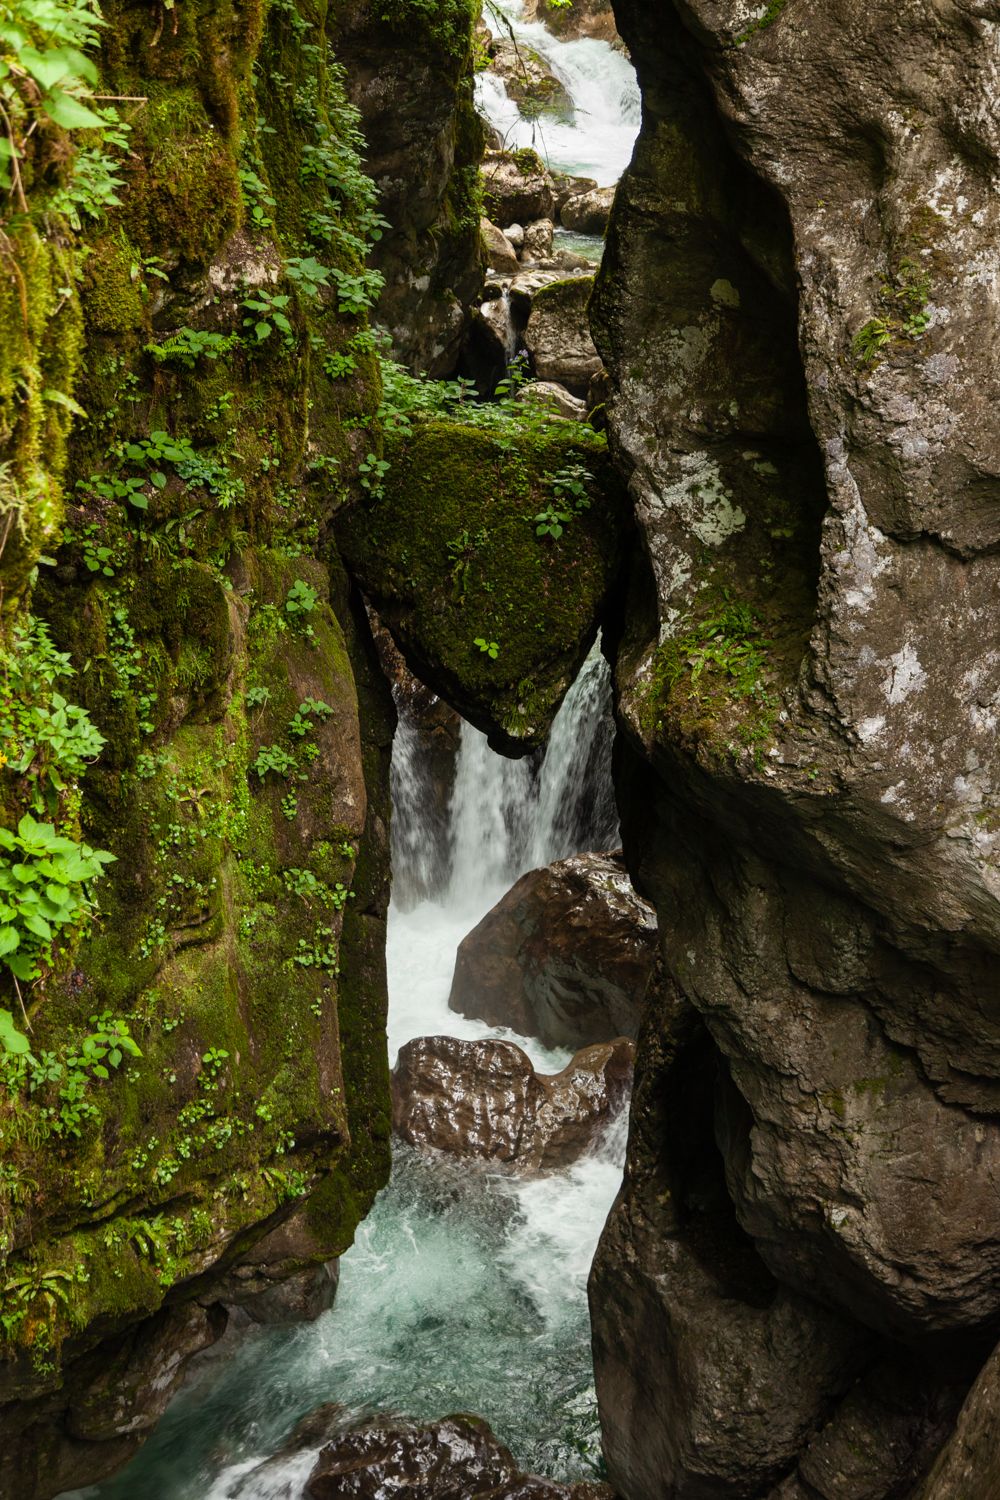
(484, 1099)
(525, 288)
(589, 212)
(516, 188)
(456, 1458)
(300, 1298)
(538, 240)
(449, 555)
(501, 255)
(557, 336)
(568, 955)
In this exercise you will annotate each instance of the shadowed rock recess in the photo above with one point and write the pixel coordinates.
(796, 309)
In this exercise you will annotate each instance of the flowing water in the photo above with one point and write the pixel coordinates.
(597, 142)
(466, 1289)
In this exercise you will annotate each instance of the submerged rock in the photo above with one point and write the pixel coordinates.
(568, 955)
(484, 1099)
(456, 1458)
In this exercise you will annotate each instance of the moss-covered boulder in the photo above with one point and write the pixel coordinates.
(494, 616)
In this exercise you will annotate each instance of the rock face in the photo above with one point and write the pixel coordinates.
(558, 338)
(410, 74)
(794, 319)
(969, 1464)
(237, 767)
(457, 1458)
(568, 955)
(484, 1099)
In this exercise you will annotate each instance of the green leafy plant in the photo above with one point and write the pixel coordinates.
(300, 602)
(46, 740)
(188, 345)
(274, 758)
(488, 648)
(302, 724)
(371, 475)
(44, 879)
(47, 80)
(268, 312)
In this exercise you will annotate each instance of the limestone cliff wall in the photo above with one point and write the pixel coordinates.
(798, 312)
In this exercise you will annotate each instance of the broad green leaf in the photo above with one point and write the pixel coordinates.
(10, 1037)
(68, 112)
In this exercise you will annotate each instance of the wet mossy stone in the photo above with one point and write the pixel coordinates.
(450, 556)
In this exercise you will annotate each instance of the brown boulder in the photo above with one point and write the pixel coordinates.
(538, 240)
(484, 1099)
(500, 253)
(567, 956)
(456, 1458)
(516, 188)
(558, 334)
(589, 212)
(580, 18)
(529, 80)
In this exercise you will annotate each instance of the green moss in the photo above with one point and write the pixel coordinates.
(451, 555)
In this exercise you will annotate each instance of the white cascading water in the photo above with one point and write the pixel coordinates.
(465, 1289)
(597, 142)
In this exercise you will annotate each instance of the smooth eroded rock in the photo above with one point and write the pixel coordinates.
(484, 1099)
(568, 955)
(501, 255)
(456, 1458)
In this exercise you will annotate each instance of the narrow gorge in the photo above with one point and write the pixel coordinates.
(498, 793)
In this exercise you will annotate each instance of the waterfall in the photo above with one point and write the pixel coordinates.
(601, 82)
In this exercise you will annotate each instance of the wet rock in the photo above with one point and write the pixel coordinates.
(423, 141)
(456, 1458)
(589, 212)
(516, 188)
(530, 82)
(501, 255)
(826, 891)
(882, 1437)
(558, 334)
(568, 955)
(538, 240)
(484, 1099)
(559, 399)
(969, 1464)
(735, 1372)
(301, 1298)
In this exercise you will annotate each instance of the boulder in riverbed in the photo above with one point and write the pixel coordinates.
(484, 1099)
(558, 334)
(500, 253)
(588, 213)
(516, 188)
(568, 955)
(538, 240)
(455, 1458)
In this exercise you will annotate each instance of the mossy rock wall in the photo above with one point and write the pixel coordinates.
(240, 934)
